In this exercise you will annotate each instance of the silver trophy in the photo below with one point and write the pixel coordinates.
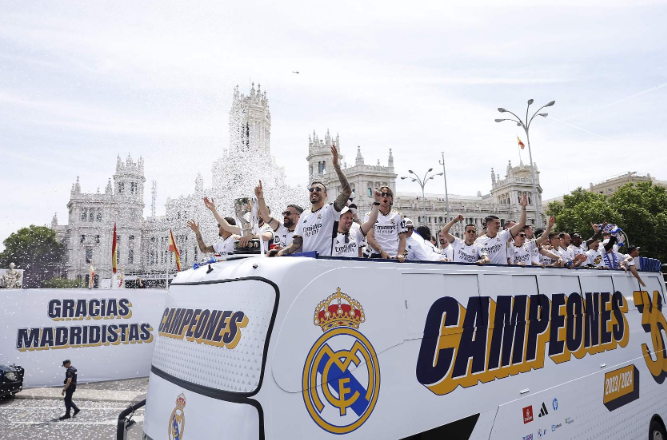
(247, 216)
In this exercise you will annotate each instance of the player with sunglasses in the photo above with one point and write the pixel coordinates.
(466, 250)
(283, 232)
(387, 238)
(314, 229)
(522, 252)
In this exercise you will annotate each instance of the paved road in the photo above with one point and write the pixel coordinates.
(28, 419)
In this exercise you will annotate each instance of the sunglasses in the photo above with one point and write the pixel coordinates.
(522, 235)
(471, 231)
(286, 213)
(387, 194)
(317, 188)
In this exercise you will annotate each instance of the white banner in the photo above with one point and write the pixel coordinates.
(107, 334)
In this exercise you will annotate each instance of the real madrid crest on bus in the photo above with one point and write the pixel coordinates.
(177, 419)
(341, 376)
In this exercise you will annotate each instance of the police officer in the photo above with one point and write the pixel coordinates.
(68, 391)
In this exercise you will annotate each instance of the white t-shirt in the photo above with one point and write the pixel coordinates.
(386, 231)
(355, 238)
(565, 254)
(594, 258)
(316, 229)
(225, 247)
(523, 254)
(419, 250)
(464, 253)
(612, 259)
(496, 247)
(630, 261)
(448, 252)
(282, 236)
(577, 250)
(535, 251)
(548, 261)
(260, 231)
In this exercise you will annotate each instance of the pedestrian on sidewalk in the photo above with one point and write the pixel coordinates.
(68, 391)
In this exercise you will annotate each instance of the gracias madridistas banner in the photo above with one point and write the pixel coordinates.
(107, 334)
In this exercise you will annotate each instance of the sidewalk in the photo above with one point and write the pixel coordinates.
(82, 394)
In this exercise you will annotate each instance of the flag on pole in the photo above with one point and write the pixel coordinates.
(173, 248)
(91, 279)
(520, 143)
(114, 251)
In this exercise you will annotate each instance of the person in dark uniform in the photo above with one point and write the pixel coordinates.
(68, 391)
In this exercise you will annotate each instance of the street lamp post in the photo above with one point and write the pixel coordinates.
(444, 172)
(422, 183)
(525, 124)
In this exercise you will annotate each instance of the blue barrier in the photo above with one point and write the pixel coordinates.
(649, 264)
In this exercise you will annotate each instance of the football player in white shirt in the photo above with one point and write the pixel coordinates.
(387, 239)
(593, 254)
(314, 230)
(463, 251)
(350, 235)
(283, 232)
(415, 245)
(224, 247)
(633, 253)
(538, 242)
(262, 230)
(523, 252)
(494, 243)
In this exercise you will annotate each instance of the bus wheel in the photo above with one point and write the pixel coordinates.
(656, 431)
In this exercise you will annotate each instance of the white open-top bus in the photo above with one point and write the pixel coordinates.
(323, 348)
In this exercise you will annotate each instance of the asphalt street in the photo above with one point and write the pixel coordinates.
(37, 417)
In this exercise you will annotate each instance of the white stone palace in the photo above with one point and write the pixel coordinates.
(143, 241)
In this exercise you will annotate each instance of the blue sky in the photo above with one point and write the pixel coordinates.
(81, 82)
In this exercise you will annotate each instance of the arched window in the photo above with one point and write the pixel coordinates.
(91, 216)
(99, 215)
(84, 215)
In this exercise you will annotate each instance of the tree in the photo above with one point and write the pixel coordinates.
(36, 250)
(639, 209)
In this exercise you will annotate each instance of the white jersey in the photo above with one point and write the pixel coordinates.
(260, 231)
(347, 245)
(548, 261)
(464, 253)
(577, 250)
(629, 261)
(386, 231)
(225, 247)
(316, 229)
(594, 258)
(419, 250)
(282, 236)
(495, 247)
(565, 254)
(523, 254)
(535, 251)
(448, 252)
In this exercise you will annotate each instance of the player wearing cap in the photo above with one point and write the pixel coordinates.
(68, 391)
(224, 247)
(387, 238)
(494, 243)
(314, 229)
(633, 253)
(349, 235)
(466, 250)
(282, 232)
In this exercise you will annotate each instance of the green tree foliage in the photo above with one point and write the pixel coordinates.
(36, 250)
(639, 209)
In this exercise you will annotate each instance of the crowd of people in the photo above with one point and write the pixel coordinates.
(336, 229)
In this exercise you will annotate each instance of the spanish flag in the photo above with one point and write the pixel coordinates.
(520, 143)
(114, 251)
(173, 248)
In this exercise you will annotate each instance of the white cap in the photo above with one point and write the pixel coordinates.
(408, 223)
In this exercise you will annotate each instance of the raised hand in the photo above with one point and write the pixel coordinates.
(377, 196)
(552, 221)
(209, 203)
(524, 201)
(334, 153)
(193, 225)
(460, 218)
(259, 191)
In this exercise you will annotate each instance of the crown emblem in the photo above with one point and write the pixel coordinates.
(180, 401)
(339, 310)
